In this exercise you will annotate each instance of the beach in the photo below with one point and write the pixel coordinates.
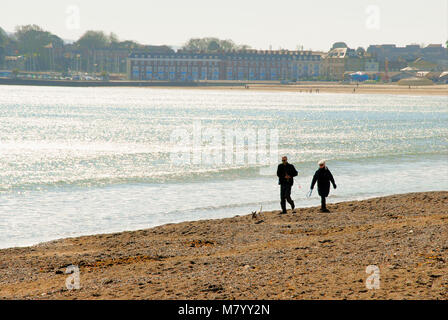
(83, 161)
(334, 87)
(307, 255)
(97, 167)
(300, 86)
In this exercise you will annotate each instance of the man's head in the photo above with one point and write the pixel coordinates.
(321, 164)
(285, 160)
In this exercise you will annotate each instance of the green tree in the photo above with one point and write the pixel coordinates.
(113, 38)
(105, 76)
(32, 38)
(194, 45)
(3, 35)
(4, 39)
(212, 45)
(127, 44)
(38, 45)
(157, 49)
(88, 44)
(94, 40)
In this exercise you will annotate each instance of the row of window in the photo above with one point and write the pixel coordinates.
(183, 74)
(215, 68)
(245, 56)
(234, 58)
(234, 65)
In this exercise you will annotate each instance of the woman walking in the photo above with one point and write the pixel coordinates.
(323, 177)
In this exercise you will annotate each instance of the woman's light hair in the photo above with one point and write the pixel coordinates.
(321, 162)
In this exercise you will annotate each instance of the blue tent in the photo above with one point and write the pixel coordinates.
(359, 76)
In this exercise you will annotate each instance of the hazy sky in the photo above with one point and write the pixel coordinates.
(315, 24)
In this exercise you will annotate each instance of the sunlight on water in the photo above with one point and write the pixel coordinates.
(94, 160)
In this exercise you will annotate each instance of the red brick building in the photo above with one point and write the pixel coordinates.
(248, 65)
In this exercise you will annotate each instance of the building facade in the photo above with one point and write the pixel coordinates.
(334, 64)
(248, 65)
(399, 57)
(371, 65)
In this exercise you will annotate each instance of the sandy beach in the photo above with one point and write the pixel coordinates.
(328, 87)
(314, 87)
(309, 255)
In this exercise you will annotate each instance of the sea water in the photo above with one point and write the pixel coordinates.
(80, 161)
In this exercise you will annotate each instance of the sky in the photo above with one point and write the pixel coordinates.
(262, 24)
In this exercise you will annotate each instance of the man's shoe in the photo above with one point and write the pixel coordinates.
(283, 212)
(326, 211)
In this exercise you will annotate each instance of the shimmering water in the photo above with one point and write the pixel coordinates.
(76, 161)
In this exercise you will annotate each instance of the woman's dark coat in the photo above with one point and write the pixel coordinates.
(323, 177)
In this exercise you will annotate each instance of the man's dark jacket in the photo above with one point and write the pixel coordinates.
(323, 177)
(284, 170)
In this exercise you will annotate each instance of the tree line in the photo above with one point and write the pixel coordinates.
(41, 50)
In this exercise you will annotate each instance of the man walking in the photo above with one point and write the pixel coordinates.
(286, 173)
(323, 177)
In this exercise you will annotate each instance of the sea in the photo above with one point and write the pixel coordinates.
(82, 161)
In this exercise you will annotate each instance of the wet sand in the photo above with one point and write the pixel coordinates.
(313, 87)
(309, 255)
(325, 87)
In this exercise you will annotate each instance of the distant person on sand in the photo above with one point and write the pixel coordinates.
(323, 177)
(286, 173)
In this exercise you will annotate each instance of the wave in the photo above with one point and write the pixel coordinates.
(195, 174)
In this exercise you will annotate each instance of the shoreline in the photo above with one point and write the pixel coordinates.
(309, 255)
(385, 89)
(299, 87)
(308, 206)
